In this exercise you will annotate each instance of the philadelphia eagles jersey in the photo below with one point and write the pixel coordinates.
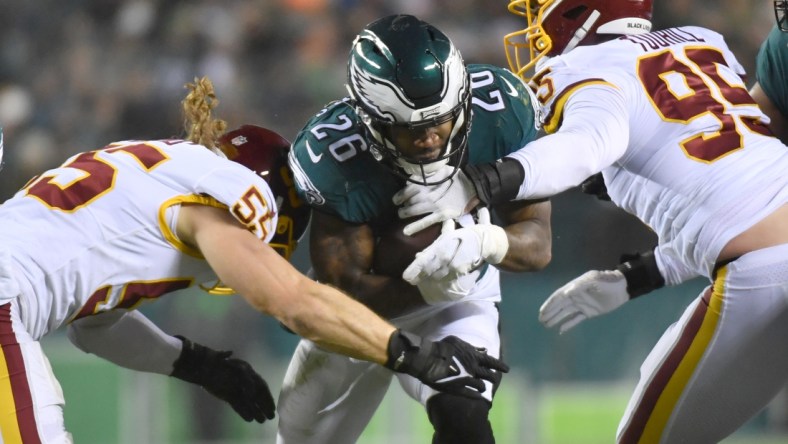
(336, 174)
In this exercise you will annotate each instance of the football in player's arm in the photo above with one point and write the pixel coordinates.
(680, 143)
(84, 244)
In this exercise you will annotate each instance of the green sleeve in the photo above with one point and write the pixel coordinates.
(334, 172)
(504, 114)
(771, 69)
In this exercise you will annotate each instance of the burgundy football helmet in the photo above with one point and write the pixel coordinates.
(556, 27)
(265, 152)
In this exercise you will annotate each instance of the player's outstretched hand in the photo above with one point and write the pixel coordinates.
(229, 379)
(592, 294)
(449, 199)
(450, 365)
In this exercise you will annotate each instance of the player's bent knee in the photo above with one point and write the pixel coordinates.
(458, 419)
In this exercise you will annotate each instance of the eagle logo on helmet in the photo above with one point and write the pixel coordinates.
(375, 93)
(405, 74)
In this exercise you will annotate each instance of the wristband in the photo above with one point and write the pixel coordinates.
(400, 343)
(187, 366)
(193, 364)
(642, 274)
(496, 182)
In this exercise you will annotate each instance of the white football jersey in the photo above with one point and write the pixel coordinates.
(683, 146)
(97, 233)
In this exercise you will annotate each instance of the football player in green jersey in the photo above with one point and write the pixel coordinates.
(414, 107)
(771, 89)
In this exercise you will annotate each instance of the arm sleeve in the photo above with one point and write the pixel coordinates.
(594, 134)
(127, 339)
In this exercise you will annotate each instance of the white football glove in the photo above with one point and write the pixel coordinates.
(441, 202)
(435, 291)
(458, 252)
(592, 294)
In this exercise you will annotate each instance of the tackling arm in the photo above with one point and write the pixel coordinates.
(594, 133)
(342, 255)
(325, 315)
(272, 285)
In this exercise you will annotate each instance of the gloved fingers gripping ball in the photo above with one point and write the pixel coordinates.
(431, 261)
(450, 365)
(446, 200)
(458, 252)
(229, 379)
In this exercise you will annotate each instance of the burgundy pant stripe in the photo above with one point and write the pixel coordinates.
(20, 388)
(654, 389)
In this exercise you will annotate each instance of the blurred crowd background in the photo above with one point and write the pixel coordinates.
(75, 75)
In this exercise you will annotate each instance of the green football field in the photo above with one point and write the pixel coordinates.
(552, 414)
(105, 404)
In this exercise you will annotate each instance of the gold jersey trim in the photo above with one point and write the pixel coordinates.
(171, 237)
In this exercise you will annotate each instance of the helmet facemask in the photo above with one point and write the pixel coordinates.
(384, 150)
(524, 48)
(292, 221)
(405, 75)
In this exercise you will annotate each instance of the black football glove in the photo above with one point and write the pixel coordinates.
(229, 379)
(450, 365)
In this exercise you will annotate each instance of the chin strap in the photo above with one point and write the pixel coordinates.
(496, 182)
